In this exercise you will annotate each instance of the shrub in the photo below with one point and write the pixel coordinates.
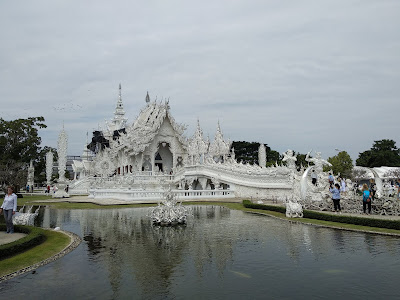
(389, 224)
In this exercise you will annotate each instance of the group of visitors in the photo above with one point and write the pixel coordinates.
(368, 193)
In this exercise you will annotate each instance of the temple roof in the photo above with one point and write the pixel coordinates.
(146, 126)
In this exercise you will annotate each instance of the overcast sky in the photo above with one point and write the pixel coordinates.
(299, 75)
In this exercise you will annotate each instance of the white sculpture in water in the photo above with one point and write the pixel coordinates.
(169, 211)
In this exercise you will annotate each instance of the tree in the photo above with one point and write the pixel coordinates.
(19, 144)
(301, 161)
(341, 164)
(382, 153)
(247, 152)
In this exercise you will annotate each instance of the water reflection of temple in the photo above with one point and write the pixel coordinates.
(128, 251)
(128, 244)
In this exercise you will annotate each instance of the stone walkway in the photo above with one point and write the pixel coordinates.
(6, 238)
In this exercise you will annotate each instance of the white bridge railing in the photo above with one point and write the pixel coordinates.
(132, 195)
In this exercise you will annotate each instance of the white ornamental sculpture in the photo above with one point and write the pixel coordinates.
(103, 164)
(197, 147)
(49, 166)
(318, 161)
(31, 174)
(220, 148)
(62, 163)
(262, 156)
(294, 210)
(62, 154)
(290, 159)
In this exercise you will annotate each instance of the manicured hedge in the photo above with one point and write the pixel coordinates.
(389, 224)
(310, 214)
(35, 237)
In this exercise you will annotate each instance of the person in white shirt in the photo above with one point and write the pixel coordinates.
(343, 186)
(314, 177)
(9, 207)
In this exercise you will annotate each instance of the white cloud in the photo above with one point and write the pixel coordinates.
(301, 75)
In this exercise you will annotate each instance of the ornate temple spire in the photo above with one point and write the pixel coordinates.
(119, 120)
(220, 146)
(197, 144)
(119, 109)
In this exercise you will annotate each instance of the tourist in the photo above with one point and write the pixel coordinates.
(66, 188)
(366, 198)
(314, 177)
(9, 208)
(335, 190)
(343, 186)
(398, 189)
(48, 189)
(372, 189)
(27, 188)
(331, 180)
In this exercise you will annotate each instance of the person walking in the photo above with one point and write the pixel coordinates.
(335, 190)
(343, 186)
(331, 180)
(9, 207)
(314, 177)
(367, 198)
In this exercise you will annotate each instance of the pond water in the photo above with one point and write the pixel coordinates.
(220, 254)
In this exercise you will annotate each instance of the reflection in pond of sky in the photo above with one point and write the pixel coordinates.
(220, 254)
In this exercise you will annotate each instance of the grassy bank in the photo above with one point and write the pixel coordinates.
(54, 243)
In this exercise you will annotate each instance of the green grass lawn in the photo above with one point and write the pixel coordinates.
(55, 242)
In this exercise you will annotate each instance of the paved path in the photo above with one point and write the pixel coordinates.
(6, 238)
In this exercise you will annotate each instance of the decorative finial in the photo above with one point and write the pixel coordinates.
(147, 97)
(120, 92)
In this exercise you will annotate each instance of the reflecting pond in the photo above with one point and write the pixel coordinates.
(220, 254)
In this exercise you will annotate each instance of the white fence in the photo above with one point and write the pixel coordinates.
(143, 195)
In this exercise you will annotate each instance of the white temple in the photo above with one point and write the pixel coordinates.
(138, 160)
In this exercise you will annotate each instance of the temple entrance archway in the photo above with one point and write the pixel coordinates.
(164, 158)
